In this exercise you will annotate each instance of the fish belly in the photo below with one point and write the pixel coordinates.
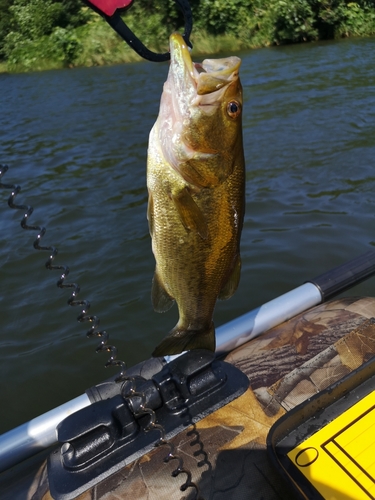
(192, 264)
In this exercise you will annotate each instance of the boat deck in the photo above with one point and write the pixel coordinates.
(226, 451)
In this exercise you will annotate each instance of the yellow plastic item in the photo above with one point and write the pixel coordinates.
(339, 459)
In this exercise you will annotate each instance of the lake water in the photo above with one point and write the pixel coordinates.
(76, 142)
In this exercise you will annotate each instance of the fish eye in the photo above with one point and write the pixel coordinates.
(233, 109)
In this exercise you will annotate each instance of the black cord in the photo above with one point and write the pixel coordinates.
(117, 23)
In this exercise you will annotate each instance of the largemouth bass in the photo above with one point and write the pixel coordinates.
(196, 186)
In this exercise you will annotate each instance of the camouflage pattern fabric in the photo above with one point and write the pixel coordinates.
(226, 451)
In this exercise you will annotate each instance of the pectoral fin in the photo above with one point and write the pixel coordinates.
(161, 300)
(150, 213)
(209, 176)
(190, 214)
(231, 285)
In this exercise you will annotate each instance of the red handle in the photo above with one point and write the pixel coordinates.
(109, 7)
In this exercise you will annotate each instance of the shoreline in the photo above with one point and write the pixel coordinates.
(209, 45)
(84, 39)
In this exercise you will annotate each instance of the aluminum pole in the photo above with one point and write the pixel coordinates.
(37, 434)
(248, 326)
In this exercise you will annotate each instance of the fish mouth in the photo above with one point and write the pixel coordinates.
(192, 94)
(206, 81)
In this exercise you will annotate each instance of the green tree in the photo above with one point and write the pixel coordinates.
(36, 34)
(293, 21)
(42, 30)
(5, 19)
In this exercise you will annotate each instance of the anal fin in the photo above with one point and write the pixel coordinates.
(161, 300)
(232, 283)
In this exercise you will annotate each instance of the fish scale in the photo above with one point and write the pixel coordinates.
(196, 185)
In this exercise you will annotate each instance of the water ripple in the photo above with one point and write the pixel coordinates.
(76, 141)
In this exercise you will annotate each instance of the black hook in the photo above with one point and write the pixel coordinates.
(110, 10)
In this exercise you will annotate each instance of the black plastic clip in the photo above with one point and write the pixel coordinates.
(110, 11)
(104, 437)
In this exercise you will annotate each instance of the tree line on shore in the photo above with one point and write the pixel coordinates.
(42, 34)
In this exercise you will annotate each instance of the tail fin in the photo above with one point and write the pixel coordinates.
(180, 340)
